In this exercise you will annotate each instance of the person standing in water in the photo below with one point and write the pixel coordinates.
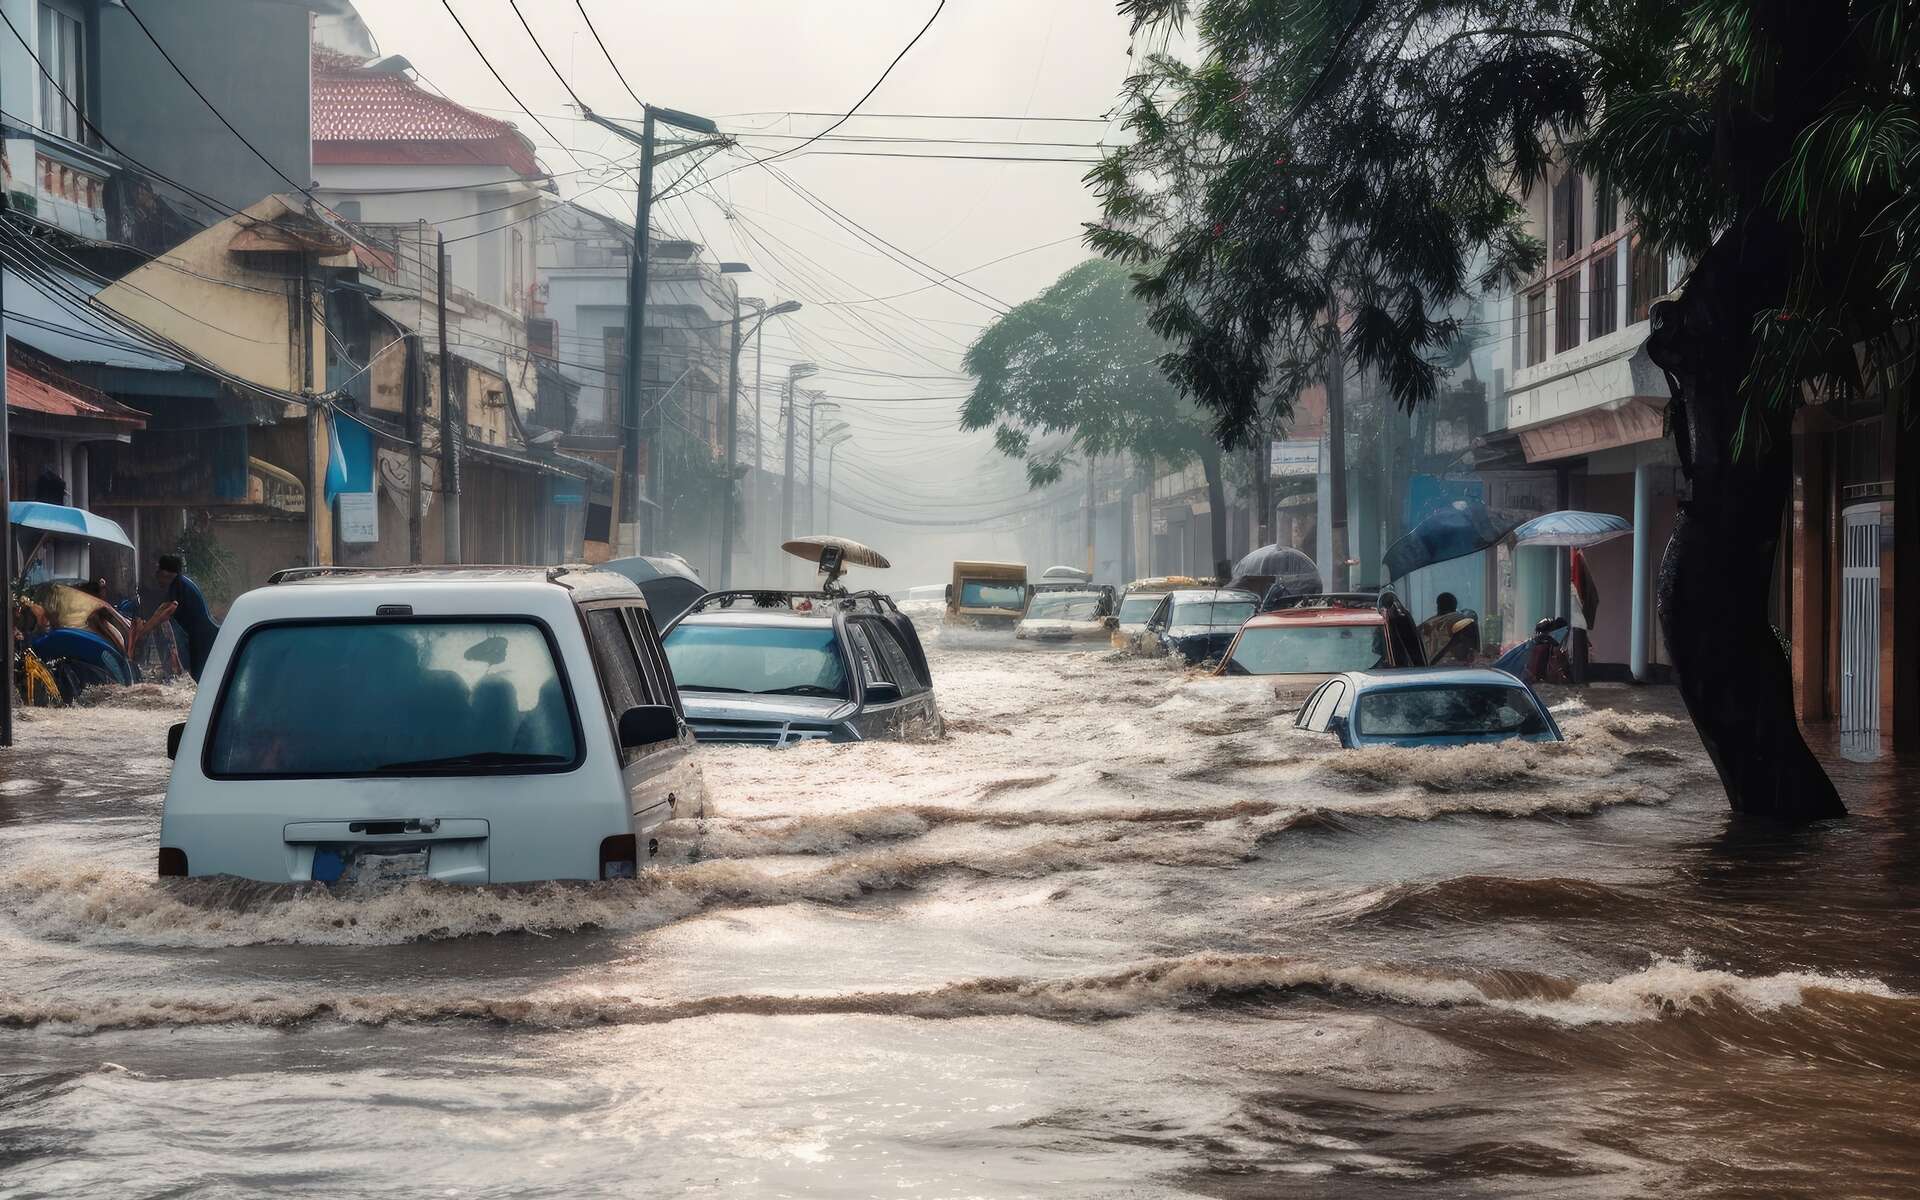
(190, 611)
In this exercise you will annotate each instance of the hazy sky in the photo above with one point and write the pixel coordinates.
(749, 64)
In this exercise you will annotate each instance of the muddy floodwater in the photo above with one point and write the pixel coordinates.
(1122, 933)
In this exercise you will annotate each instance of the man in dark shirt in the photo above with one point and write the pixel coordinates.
(190, 612)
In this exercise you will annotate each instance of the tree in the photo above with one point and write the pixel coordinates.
(1371, 150)
(1078, 360)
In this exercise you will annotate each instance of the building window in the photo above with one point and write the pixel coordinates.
(542, 336)
(63, 89)
(1536, 327)
(1606, 210)
(1603, 307)
(1566, 218)
(1647, 279)
(614, 338)
(1566, 317)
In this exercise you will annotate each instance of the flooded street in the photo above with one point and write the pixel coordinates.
(1122, 933)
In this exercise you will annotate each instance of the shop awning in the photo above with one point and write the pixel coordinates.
(28, 393)
(55, 314)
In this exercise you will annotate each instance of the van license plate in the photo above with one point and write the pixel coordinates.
(372, 868)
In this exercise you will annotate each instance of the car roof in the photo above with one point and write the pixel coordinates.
(1207, 593)
(1317, 616)
(779, 618)
(1429, 677)
(586, 583)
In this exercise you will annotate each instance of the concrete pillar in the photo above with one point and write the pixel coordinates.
(1642, 569)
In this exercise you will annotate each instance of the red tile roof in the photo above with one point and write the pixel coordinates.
(366, 117)
(30, 393)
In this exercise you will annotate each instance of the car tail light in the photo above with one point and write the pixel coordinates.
(173, 862)
(619, 857)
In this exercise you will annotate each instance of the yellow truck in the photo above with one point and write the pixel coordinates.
(987, 595)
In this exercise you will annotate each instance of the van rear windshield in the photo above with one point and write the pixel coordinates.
(457, 697)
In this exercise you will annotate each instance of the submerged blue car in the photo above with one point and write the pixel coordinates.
(1429, 706)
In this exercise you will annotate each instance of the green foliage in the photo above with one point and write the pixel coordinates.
(210, 564)
(1378, 150)
(1075, 372)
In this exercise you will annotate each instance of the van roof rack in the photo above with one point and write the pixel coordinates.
(299, 574)
(783, 598)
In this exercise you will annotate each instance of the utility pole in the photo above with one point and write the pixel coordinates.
(1091, 500)
(6, 551)
(636, 532)
(1337, 578)
(451, 426)
(316, 461)
(416, 403)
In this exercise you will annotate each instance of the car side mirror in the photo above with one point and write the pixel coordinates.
(648, 724)
(1337, 725)
(175, 732)
(881, 691)
(1111, 622)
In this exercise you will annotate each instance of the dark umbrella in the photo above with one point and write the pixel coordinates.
(1462, 528)
(668, 582)
(1268, 565)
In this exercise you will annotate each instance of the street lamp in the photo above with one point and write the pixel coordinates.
(815, 401)
(733, 410)
(795, 373)
(838, 434)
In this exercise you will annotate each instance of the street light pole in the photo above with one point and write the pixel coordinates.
(795, 373)
(733, 423)
(635, 534)
(815, 400)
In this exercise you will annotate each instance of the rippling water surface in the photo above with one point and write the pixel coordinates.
(1122, 933)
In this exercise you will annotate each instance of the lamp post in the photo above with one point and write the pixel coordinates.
(838, 434)
(815, 402)
(733, 422)
(795, 373)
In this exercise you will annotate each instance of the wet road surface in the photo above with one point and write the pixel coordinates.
(1122, 933)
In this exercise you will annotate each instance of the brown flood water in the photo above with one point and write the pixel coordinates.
(1122, 933)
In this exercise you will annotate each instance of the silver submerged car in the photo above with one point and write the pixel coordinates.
(772, 668)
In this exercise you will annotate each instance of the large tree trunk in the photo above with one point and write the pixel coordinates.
(1217, 510)
(1717, 569)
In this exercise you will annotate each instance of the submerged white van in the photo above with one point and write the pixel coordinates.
(467, 725)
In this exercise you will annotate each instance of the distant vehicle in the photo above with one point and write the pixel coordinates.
(928, 601)
(774, 668)
(1199, 624)
(1077, 615)
(465, 725)
(1313, 637)
(1063, 579)
(1429, 706)
(1139, 600)
(669, 583)
(988, 595)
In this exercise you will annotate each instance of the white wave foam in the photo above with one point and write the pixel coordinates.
(1668, 988)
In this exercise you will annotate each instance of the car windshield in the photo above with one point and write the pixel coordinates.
(1135, 609)
(1212, 613)
(1447, 710)
(1064, 606)
(457, 697)
(987, 593)
(1308, 649)
(761, 659)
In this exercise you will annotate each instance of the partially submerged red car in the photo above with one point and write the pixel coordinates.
(1313, 638)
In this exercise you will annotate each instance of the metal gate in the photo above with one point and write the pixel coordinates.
(1860, 632)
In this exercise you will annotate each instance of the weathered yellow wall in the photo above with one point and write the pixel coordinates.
(201, 296)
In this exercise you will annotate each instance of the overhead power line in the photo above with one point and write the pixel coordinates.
(848, 115)
(872, 116)
(618, 73)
